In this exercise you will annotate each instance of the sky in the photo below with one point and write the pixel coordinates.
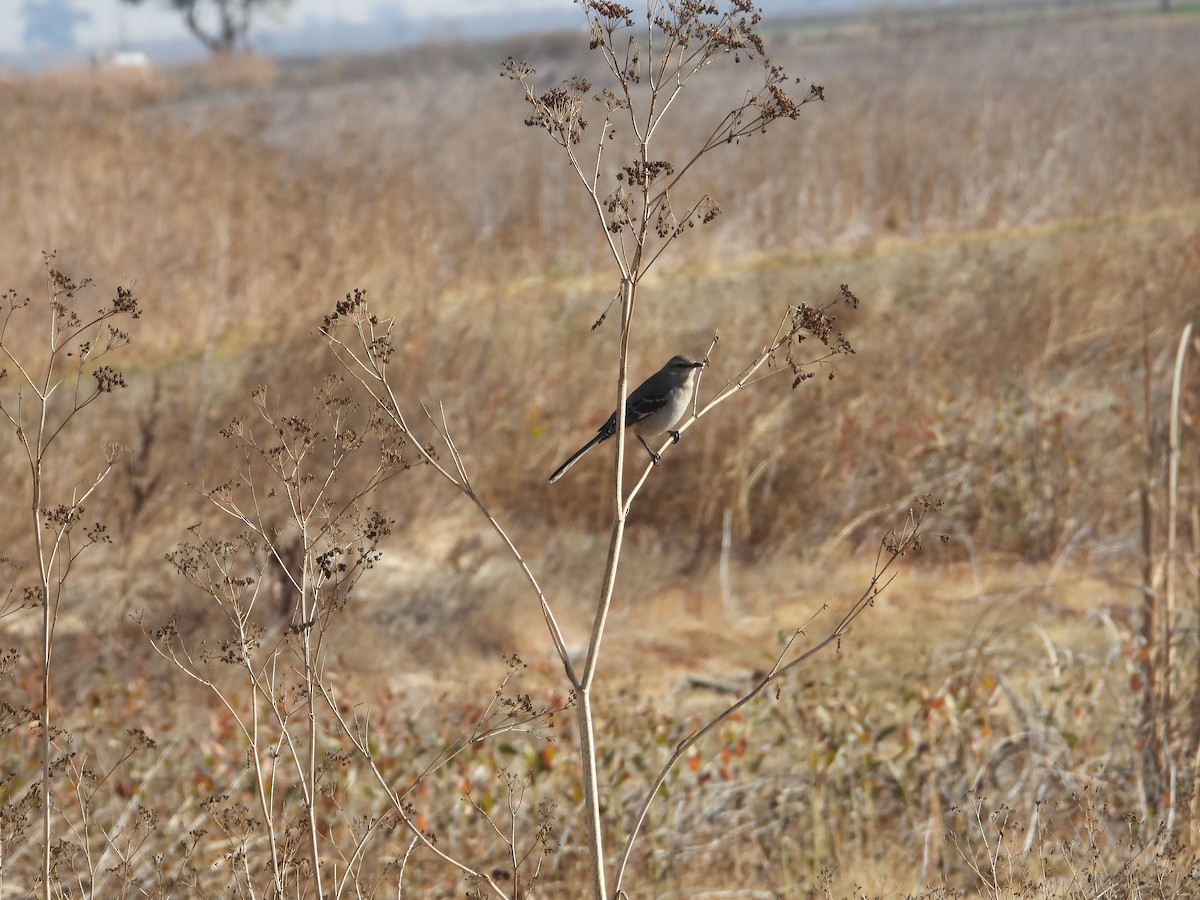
(113, 24)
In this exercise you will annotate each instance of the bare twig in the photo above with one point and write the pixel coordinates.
(891, 549)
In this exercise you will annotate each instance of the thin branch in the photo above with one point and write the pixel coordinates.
(396, 801)
(894, 548)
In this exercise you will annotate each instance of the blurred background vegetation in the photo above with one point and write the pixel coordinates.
(1013, 191)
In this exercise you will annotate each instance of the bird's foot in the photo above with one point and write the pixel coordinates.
(674, 436)
(655, 456)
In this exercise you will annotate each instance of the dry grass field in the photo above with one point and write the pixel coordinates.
(1013, 194)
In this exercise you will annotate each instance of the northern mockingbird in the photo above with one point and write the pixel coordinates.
(651, 409)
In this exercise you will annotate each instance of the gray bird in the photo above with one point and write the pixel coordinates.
(653, 408)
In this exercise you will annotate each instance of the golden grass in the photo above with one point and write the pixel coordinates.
(1015, 204)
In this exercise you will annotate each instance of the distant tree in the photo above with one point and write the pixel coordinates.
(50, 24)
(223, 26)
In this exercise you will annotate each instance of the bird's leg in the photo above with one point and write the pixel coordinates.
(654, 456)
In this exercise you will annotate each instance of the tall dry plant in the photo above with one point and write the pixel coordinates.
(43, 397)
(642, 206)
(303, 533)
(303, 537)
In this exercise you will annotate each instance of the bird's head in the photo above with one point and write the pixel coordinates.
(683, 363)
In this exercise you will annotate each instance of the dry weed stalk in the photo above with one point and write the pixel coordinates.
(362, 342)
(299, 506)
(649, 64)
(891, 549)
(503, 715)
(304, 523)
(680, 40)
(52, 385)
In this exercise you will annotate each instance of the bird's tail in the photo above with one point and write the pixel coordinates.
(575, 457)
